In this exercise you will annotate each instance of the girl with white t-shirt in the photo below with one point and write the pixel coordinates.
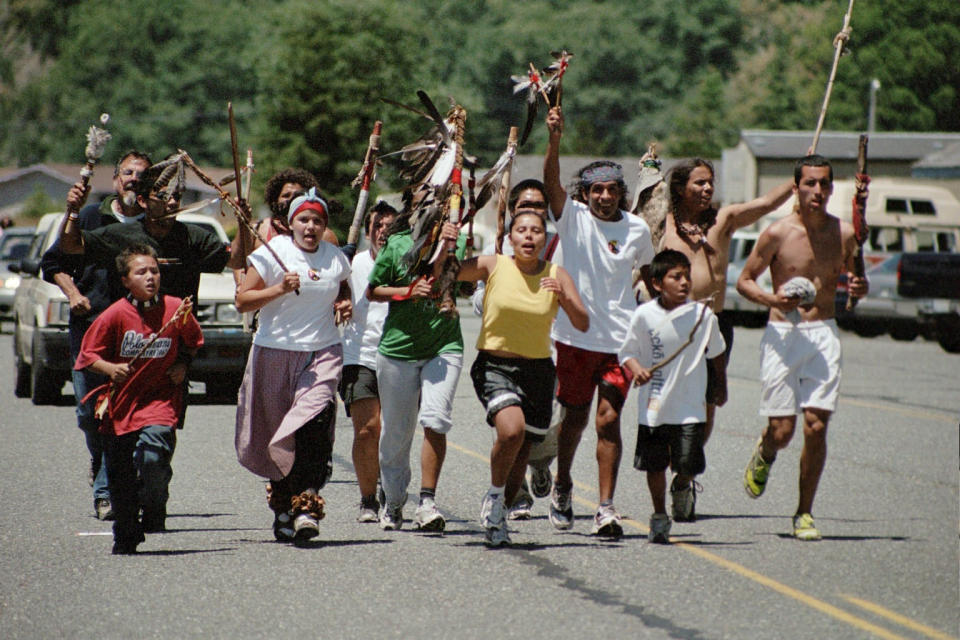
(287, 399)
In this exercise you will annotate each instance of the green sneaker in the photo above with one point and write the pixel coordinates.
(803, 527)
(755, 476)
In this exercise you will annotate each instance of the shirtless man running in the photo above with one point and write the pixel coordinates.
(800, 355)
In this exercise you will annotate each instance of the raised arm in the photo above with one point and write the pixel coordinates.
(71, 240)
(737, 216)
(556, 196)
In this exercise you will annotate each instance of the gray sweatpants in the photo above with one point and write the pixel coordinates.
(412, 392)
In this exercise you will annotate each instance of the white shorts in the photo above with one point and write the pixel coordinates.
(799, 367)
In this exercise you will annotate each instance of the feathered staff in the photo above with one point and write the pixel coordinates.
(448, 276)
(555, 72)
(534, 86)
(240, 212)
(651, 200)
(110, 389)
(97, 139)
(364, 178)
(859, 213)
(838, 42)
(504, 187)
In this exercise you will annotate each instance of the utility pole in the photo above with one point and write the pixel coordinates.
(872, 110)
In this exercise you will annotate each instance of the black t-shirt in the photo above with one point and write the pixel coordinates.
(183, 254)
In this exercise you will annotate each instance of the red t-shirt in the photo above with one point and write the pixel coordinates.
(148, 397)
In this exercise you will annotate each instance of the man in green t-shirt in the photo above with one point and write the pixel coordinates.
(418, 364)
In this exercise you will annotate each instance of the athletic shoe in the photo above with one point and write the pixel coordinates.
(493, 521)
(283, 527)
(755, 475)
(561, 508)
(103, 508)
(368, 512)
(684, 501)
(391, 518)
(659, 528)
(540, 480)
(428, 518)
(305, 526)
(522, 507)
(804, 528)
(606, 523)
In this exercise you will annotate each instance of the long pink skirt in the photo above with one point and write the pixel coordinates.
(281, 391)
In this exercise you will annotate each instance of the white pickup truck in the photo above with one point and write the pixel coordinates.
(41, 313)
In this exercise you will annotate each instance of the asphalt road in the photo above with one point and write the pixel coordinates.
(887, 506)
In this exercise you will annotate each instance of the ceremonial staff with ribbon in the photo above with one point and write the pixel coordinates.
(859, 213)
(503, 193)
(448, 277)
(364, 178)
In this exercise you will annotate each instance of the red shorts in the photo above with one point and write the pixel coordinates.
(580, 371)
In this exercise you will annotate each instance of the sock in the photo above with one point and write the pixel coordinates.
(369, 501)
(427, 493)
(495, 492)
(607, 503)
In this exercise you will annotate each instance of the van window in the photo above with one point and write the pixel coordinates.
(896, 205)
(946, 242)
(922, 208)
(925, 240)
(886, 239)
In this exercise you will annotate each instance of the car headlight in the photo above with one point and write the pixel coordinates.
(10, 282)
(227, 313)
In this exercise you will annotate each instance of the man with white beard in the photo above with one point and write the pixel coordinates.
(86, 286)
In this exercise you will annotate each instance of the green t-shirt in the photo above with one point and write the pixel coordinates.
(414, 328)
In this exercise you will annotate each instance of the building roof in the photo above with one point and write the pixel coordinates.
(842, 145)
(102, 180)
(946, 158)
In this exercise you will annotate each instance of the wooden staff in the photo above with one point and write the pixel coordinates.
(448, 305)
(238, 211)
(838, 42)
(859, 215)
(365, 177)
(504, 193)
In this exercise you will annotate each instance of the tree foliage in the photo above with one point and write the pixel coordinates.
(306, 77)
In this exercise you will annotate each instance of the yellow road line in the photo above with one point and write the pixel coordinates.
(896, 617)
(779, 587)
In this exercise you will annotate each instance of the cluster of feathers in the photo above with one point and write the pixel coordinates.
(308, 502)
(547, 83)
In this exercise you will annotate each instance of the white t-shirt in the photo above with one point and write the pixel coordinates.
(362, 334)
(600, 257)
(676, 394)
(300, 322)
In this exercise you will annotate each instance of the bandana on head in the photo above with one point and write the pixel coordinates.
(612, 173)
(310, 201)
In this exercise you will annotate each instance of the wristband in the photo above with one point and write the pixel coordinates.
(73, 215)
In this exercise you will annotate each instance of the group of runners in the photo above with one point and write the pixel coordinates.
(558, 329)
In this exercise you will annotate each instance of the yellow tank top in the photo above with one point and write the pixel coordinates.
(517, 313)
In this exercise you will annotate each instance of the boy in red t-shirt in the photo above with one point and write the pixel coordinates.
(145, 393)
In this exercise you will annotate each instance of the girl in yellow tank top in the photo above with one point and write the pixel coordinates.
(514, 374)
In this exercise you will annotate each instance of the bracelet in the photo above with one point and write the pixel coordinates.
(73, 215)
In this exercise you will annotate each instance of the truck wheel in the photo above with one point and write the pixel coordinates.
(21, 387)
(950, 343)
(46, 384)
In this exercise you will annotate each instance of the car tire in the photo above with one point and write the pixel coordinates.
(46, 385)
(905, 334)
(21, 387)
(950, 343)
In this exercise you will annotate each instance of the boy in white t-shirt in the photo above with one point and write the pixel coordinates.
(674, 351)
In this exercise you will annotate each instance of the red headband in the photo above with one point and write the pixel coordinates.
(310, 205)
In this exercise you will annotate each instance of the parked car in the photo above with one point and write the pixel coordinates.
(933, 280)
(745, 312)
(41, 315)
(14, 244)
(883, 310)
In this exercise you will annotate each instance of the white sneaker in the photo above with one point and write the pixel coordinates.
(428, 518)
(659, 528)
(492, 517)
(305, 527)
(522, 507)
(391, 517)
(606, 523)
(367, 514)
